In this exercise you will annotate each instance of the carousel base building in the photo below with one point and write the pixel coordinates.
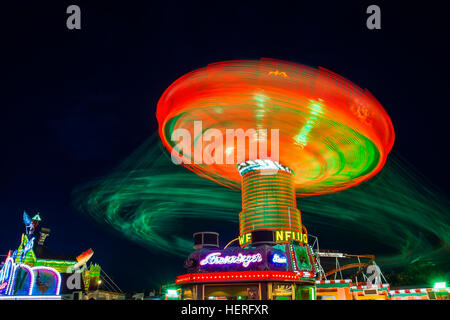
(260, 272)
(273, 260)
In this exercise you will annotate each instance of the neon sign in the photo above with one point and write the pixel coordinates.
(278, 259)
(281, 236)
(244, 259)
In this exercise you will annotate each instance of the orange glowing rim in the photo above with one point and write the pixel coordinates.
(332, 134)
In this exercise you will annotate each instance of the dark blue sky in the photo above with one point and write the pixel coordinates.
(76, 103)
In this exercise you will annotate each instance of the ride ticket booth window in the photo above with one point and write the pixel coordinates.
(188, 293)
(232, 292)
(282, 291)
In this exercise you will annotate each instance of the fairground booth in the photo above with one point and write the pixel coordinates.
(33, 272)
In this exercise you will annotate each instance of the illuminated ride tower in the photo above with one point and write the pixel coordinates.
(269, 205)
(331, 135)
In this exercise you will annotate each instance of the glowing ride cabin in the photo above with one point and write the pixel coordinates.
(331, 135)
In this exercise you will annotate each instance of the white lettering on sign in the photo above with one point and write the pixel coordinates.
(278, 259)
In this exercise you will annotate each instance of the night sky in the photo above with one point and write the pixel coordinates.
(75, 103)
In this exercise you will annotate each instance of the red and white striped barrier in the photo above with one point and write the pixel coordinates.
(393, 292)
(333, 281)
(378, 286)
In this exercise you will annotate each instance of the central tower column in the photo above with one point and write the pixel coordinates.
(268, 202)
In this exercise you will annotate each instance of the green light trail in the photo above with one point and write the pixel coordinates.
(147, 198)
